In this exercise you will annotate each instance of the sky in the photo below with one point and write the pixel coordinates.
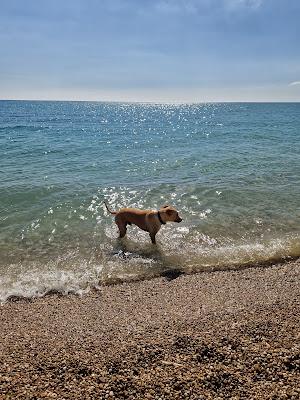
(150, 50)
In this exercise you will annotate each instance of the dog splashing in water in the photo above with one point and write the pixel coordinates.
(147, 220)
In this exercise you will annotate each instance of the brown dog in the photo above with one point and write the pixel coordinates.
(148, 220)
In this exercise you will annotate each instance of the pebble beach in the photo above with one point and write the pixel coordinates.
(223, 334)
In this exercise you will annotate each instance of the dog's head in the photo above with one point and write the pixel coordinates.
(169, 213)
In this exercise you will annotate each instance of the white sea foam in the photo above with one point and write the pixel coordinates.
(136, 258)
(38, 280)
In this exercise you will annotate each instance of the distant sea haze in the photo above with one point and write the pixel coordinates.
(231, 169)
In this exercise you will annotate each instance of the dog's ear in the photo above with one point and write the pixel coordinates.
(165, 206)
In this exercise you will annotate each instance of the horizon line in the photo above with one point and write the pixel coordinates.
(156, 102)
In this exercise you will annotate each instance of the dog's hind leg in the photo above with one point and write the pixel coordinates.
(122, 230)
(121, 225)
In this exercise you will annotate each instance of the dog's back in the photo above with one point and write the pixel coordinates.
(134, 216)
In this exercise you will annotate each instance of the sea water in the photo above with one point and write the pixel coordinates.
(231, 169)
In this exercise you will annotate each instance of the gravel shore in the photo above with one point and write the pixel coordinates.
(226, 334)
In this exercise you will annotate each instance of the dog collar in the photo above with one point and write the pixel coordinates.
(160, 220)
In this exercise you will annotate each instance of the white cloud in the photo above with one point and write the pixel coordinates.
(177, 6)
(194, 6)
(294, 83)
(236, 4)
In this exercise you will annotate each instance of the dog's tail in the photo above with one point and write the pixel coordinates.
(112, 212)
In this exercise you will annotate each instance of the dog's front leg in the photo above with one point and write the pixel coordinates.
(153, 226)
(152, 236)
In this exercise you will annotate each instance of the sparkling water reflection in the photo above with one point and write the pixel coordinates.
(231, 169)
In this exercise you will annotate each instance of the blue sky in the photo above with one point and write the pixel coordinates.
(150, 50)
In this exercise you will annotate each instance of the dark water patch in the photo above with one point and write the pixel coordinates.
(171, 274)
(23, 128)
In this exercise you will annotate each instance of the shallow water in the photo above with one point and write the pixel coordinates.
(231, 169)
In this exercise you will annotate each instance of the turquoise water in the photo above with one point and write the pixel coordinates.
(232, 170)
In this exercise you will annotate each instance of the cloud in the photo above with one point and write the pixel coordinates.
(233, 5)
(243, 3)
(296, 83)
(178, 6)
(195, 6)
